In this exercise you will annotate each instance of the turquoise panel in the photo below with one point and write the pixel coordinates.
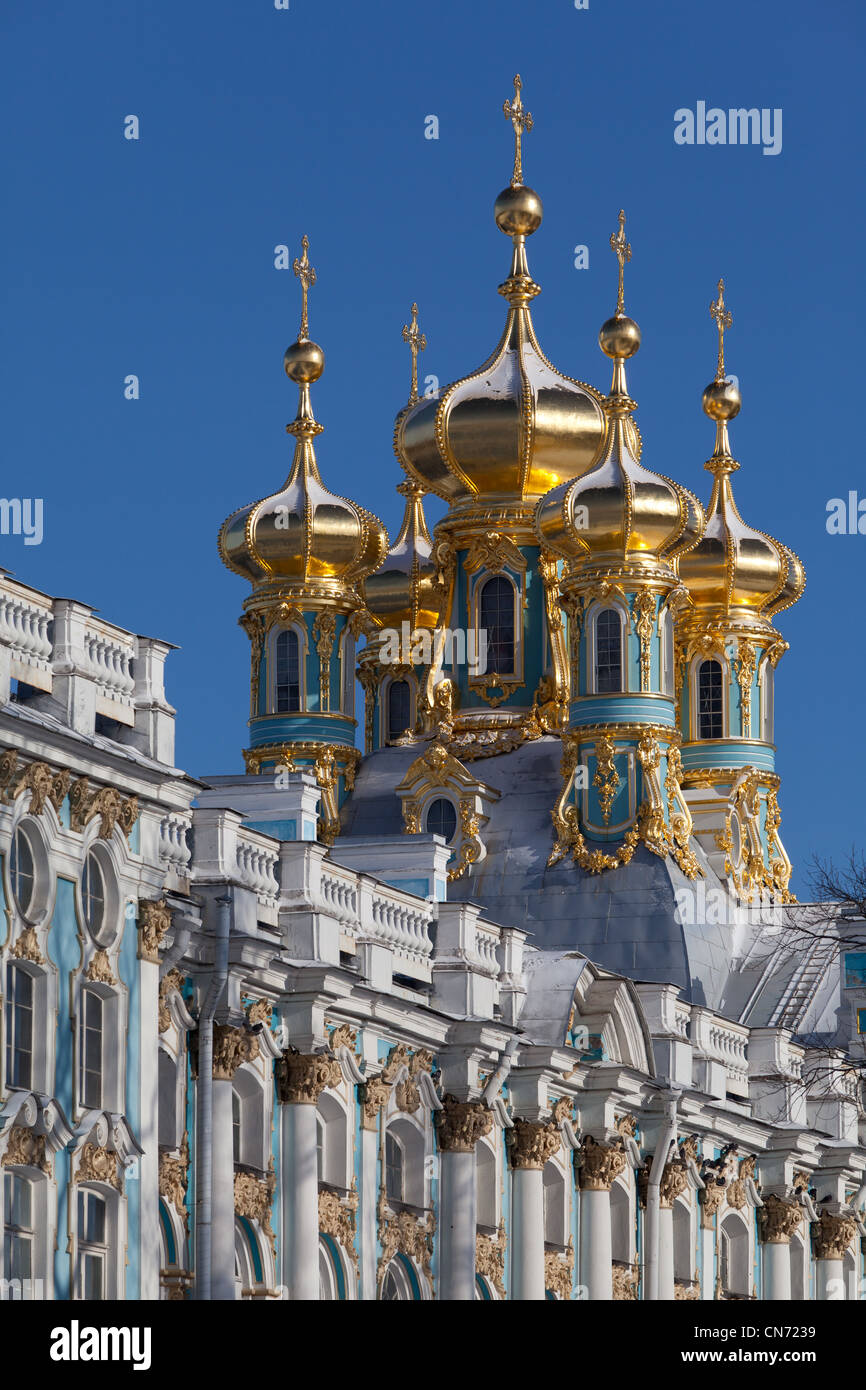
(302, 728)
(621, 709)
(279, 829)
(729, 754)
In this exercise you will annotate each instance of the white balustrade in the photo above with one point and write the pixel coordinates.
(173, 847)
(108, 660)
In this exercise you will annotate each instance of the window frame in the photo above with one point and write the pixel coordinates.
(697, 664)
(592, 620)
(300, 631)
(388, 735)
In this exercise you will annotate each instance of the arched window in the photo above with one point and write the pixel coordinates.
(608, 651)
(734, 1257)
(394, 1169)
(92, 1246)
(93, 894)
(21, 871)
(287, 684)
(553, 1181)
(442, 819)
(19, 1027)
(333, 1142)
(496, 618)
(167, 1078)
(400, 1284)
(19, 1227)
(485, 1186)
(92, 1038)
(399, 708)
(621, 1229)
(710, 689)
(683, 1253)
(248, 1119)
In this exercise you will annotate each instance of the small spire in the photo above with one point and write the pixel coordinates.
(521, 121)
(622, 250)
(724, 318)
(417, 343)
(307, 276)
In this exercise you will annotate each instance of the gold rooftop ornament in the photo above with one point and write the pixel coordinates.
(417, 343)
(622, 250)
(724, 318)
(307, 276)
(521, 120)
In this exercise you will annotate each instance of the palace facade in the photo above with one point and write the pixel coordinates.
(514, 1003)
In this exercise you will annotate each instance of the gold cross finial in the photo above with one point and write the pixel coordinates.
(521, 120)
(307, 276)
(417, 343)
(622, 250)
(724, 318)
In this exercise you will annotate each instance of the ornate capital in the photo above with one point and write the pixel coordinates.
(374, 1097)
(711, 1199)
(778, 1220)
(532, 1142)
(832, 1236)
(302, 1077)
(460, 1124)
(600, 1165)
(154, 920)
(231, 1047)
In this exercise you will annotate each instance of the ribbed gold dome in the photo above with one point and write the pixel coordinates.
(735, 569)
(517, 426)
(304, 533)
(404, 589)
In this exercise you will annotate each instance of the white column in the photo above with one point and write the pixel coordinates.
(829, 1280)
(596, 1258)
(776, 1262)
(457, 1225)
(708, 1255)
(527, 1234)
(666, 1253)
(223, 1213)
(300, 1081)
(300, 1202)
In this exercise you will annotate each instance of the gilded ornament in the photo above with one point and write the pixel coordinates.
(27, 946)
(778, 1220)
(337, 1219)
(26, 1150)
(98, 1164)
(154, 920)
(626, 1281)
(171, 982)
(606, 779)
(559, 1271)
(231, 1048)
(253, 1199)
(99, 970)
(402, 1233)
(373, 1095)
(324, 631)
(643, 616)
(490, 1258)
(832, 1236)
(174, 1179)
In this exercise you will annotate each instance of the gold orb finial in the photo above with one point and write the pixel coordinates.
(721, 400)
(619, 337)
(304, 361)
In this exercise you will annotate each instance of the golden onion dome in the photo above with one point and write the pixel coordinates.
(405, 588)
(619, 510)
(516, 426)
(735, 569)
(304, 533)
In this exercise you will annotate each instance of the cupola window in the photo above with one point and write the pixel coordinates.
(288, 677)
(21, 871)
(399, 708)
(608, 652)
(710, 722)
(496, 618)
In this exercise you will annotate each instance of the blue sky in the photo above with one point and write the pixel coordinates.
(155, 257)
